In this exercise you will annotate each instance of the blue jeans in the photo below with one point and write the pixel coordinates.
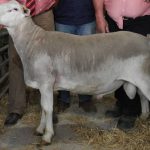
(84, 29)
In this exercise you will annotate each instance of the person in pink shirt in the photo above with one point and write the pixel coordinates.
(42, 16)
(123, 15)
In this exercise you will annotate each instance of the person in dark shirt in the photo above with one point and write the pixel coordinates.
(75, 17)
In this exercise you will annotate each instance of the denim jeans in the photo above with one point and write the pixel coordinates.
(84, 29)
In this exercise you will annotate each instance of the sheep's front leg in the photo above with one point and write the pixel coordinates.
(47, 111)
(41, 127)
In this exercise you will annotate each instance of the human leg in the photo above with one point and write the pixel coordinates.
(132, 108)
(17, 95)
(63, 100)
(86, 103)
(125, 108)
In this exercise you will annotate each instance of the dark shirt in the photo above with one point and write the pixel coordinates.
(74, 12)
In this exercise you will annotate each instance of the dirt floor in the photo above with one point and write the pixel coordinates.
(76, 130)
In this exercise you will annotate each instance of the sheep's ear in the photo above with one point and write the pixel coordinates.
(26, 11)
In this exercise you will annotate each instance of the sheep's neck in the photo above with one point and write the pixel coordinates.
(23, 35)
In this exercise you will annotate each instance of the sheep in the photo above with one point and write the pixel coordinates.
(94, 64)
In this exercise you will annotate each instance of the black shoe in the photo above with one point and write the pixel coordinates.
(12, 119)
(126, 122)
(116, 112)
(62, 106)
(88, 106)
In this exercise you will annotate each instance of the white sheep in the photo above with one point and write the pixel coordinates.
(94, 64)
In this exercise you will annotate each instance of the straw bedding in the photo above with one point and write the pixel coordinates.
(114, 139)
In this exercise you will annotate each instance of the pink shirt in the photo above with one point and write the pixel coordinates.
(40, 5)
(117, 9)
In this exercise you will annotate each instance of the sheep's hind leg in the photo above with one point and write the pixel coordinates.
(144, 106)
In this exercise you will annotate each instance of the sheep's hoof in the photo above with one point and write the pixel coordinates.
(38, 134)
(44, 143)
(144, 116)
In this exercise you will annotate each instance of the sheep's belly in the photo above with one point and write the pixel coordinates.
(88, 87)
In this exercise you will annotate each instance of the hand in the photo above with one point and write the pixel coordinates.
(102, 25)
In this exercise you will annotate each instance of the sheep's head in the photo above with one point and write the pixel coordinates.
(12, 13)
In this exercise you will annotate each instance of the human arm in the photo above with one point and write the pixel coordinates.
(101, 23)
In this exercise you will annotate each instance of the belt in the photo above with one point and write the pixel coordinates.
(131, 19)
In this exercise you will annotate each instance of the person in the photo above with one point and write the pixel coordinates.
(75, 17)
(42, 16)
(123, 15)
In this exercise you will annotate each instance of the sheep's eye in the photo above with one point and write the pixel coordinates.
(16, 9)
